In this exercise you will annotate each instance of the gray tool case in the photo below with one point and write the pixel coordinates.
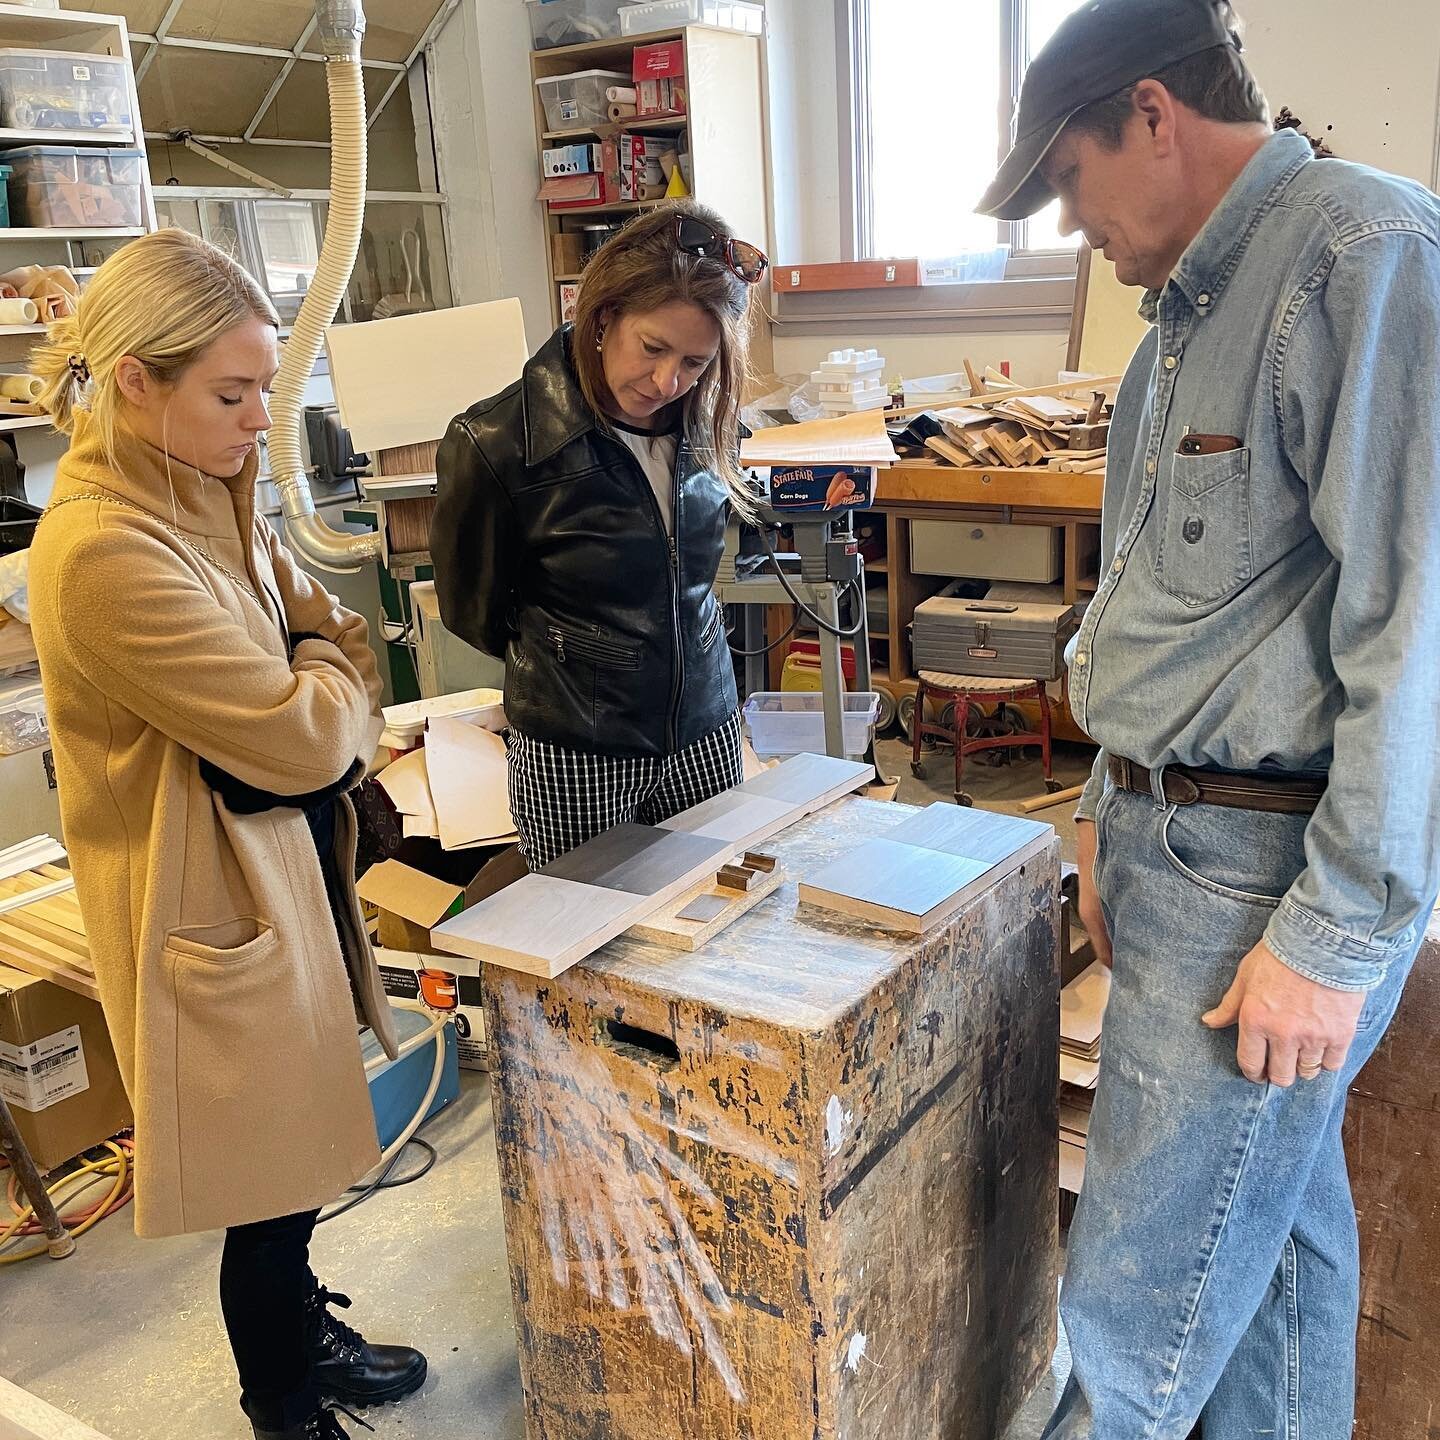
(1004, 639)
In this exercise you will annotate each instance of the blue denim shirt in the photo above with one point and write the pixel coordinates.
(1278, 606)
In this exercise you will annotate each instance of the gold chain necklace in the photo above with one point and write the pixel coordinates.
(184, 539)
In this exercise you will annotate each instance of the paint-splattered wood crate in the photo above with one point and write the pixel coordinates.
(797, 1185)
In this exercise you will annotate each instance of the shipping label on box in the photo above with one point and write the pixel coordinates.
(572, 160)
(42, 1073)
(821, 487)
(409, 976)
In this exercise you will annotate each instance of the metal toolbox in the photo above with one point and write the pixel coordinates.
(985, 552)
(1000, 638)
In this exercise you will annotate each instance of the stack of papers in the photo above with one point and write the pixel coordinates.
(1082, 1014)
(454, 788)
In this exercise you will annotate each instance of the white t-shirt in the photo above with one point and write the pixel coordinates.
(656, 454)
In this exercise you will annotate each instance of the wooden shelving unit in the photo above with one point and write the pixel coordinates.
(723, 130)
(73, 31)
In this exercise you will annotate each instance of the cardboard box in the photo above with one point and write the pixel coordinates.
(660, 97)
(57, 1069)
(665, 61)
(641, 175)
(407, 975)
(821, 487)
(412, 902)
(572, 160)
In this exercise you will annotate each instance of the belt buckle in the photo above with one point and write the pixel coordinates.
(1180, 789)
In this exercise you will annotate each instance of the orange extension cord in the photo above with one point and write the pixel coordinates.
(116, 1164)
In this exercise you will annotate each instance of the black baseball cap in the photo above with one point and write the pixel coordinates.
(1101, 48)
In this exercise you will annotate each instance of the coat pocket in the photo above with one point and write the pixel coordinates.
(1205, 554)
(710, 631)
(592, 645)
(231, 942)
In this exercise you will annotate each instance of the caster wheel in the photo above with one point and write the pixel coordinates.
(917, 769)
(963, 797)
(905, 711)
(1053, 787)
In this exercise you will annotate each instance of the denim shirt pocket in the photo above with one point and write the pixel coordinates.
(1204, 556)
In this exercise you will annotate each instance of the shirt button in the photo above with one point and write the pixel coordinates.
(1081, 657)
(1119, 564)
(1204, 300)
(1151, 467)
(1171, 362)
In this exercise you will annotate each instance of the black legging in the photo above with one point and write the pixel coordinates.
(264, 1281)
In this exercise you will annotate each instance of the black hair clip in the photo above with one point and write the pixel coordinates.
(79, 368)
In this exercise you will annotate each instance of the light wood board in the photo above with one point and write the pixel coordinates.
(925, 869)
(546, 922)
(1082, 1010)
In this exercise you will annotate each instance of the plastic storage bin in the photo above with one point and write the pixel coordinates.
(572, 22)
(22, 714)
(787, 723)
(52, 90)
(675, 14)
(4, 196)
(571, 101)
(55, 187)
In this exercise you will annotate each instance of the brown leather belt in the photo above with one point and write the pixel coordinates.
(1274, 794)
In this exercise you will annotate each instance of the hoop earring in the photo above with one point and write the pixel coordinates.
(600, 340)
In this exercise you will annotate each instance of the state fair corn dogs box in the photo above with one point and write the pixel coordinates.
(822, 487)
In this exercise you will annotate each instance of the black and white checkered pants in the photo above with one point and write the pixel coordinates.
(560, 798)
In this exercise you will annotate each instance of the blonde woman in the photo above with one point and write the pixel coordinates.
(210, 706)
(579, 527)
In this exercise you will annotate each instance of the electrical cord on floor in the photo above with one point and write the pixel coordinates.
(804, 609)
(358, 1194)
(115, 1166)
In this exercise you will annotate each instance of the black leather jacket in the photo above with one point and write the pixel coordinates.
(549, 550)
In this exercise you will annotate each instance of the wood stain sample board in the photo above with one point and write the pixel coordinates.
(546, 922)
(926, 868)
(797, 1183)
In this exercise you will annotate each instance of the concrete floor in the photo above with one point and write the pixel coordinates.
(126, 1335)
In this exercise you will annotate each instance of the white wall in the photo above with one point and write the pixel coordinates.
(482, 102)
(1035, 356)
(1367, 77)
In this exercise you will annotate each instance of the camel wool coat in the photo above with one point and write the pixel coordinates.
(232, 1007)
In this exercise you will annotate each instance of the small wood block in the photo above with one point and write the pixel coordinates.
(734, 877)
(1089, 436)
(753, 860)
(672, 928)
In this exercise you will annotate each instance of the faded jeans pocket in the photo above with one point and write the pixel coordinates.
(1204, 555)
(1253, 859)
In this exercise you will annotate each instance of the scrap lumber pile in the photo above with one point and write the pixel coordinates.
(1020, 429)
(41, 929)
(1082, 1017)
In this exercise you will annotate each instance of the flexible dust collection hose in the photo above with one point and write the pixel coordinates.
(341, 24)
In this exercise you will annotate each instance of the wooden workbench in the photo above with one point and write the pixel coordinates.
(797, 1185)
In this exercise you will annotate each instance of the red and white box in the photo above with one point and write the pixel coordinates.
(659, 74)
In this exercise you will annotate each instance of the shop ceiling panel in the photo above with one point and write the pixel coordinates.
(211, 92)
(301, 107)
(393, 28)
(277, 23)
(142, 16)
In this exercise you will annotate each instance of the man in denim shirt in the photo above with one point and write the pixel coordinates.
(1262, 666)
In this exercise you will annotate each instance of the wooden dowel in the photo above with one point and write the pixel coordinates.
(1044, 802)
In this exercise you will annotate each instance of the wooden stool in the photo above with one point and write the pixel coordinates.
(967, 690)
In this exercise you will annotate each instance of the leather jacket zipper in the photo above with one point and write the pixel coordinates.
(593, 647)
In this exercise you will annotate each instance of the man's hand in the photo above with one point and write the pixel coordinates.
(1288, 1025)
(1092, 917)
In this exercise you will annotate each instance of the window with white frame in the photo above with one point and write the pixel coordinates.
(934, 85)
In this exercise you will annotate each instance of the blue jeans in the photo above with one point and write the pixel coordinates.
(1213, 1264)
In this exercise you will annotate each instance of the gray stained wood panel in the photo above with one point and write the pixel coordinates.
(638, 859)
(924, 869)
(735, 816)
(799, 780)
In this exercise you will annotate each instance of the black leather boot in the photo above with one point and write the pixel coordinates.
(347, 1368)
(319, 1424)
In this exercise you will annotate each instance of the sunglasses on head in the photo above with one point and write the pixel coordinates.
(745, 261)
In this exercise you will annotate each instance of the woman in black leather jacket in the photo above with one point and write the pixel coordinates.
(579, 527)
